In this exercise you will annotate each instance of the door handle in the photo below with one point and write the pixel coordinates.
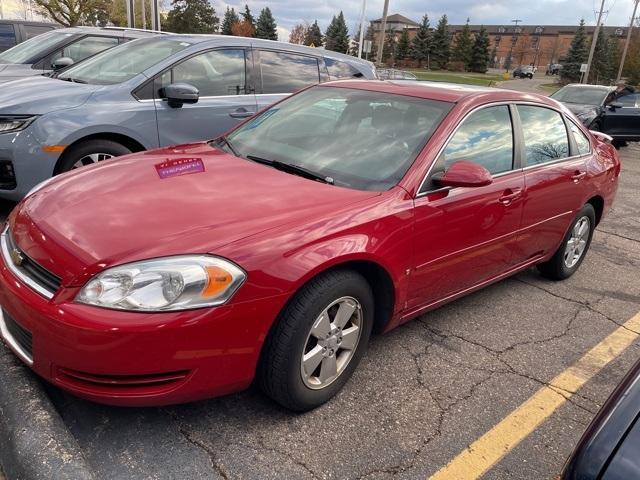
(578, 175)
(509, 195)
(241, 113)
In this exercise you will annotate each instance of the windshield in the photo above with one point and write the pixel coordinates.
(30, 51)
(581, 95)
(124, 62)
(357, 138)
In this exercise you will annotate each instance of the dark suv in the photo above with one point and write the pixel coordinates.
(60, 48)
(13, 32)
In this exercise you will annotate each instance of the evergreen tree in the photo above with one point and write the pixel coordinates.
(441, 43)
(577, 55)
(266, 25)
(389, 49)
(337, 35)
(463, 47)
(229, 20)
(374, 48)
(247, 17)
(421, 44)
(480, 56)
(614, 56)
(404, 44)
(314, 35)
(191, 16)
(600, 65)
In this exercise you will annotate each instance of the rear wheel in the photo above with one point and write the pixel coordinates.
(90, 152)
(318, 341)
(568, 258)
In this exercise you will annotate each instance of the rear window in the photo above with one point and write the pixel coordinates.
(338, 69)
(287, 72)
(545, 135)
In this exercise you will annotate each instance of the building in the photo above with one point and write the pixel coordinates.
(539, 45)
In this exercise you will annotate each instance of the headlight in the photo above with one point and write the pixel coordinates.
(171, 283)
(15, 123)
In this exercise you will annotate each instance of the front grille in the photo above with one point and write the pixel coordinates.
(7, 175)
(21, 336)
(31, 272)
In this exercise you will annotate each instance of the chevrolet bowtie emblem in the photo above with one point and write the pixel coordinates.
(16, 257)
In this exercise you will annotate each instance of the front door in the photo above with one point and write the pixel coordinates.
(464, 236)
(623, 121)
(226, 98)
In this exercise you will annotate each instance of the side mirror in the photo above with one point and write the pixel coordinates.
(62, 62)
(615, 105)
(465, 174)
(177, 94)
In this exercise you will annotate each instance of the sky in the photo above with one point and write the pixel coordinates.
(544, 12)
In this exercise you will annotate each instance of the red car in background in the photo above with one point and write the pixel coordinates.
(273, 252)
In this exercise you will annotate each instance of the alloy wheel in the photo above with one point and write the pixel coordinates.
(91, 159)
(331, 343)
(577, 243)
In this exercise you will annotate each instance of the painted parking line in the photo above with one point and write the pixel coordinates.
(486, 451)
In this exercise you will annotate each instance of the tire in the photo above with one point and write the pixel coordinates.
(530, 76)
(281, 368)
(559, 267)
(96, 148)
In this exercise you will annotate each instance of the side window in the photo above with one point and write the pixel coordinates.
(545, 134)
(31, 31)
(7, 36)
(485, 137)
(338, 69)
(84, 48)
(584, 146)
(214, 73)
(631, 100)
(287, 72)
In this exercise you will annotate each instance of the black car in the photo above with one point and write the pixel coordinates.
(524, 72)
(609, 448)
(619, 119)
(13, 32)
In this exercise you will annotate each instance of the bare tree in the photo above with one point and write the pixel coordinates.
(70, 12)
(298, 34)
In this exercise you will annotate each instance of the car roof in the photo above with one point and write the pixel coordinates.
(114, 31)
(214, 39)
(441, 91)
(588, 85)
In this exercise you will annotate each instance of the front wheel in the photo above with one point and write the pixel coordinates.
(317, 341)
(90, 152)
(568, 258)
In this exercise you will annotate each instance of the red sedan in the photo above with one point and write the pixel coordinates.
(275, 251)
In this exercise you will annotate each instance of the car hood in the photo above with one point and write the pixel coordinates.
(179, 200)
(39, 95)
(580, 108)
(9, 72)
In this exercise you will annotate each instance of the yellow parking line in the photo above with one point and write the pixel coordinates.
(485, 452)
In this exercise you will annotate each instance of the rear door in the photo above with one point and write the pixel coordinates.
(226, 95)
(554, 174)
(464, 236)
(623, 121)
(280, 73)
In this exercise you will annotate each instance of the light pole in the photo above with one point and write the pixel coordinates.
(514, 39)
(594, 40)
(155, 15)
(626, 43)
(383, 31)
(364, 6)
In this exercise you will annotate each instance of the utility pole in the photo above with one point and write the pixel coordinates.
(382, 31)
(626, 43)
(514, 39)
(131, 13)
(364, 6)
(594, 40)
(155, 15)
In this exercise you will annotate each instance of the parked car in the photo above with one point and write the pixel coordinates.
(395, 74)
(553, 69)
(619, 119)
(13, 32)
(60, 48)
(147, 93)
(608, 449)
(526, 71)
(275, 250)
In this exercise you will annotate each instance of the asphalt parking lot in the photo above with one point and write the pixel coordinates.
(422, 395)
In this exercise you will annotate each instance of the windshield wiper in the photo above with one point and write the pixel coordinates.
(294, 169)
(225, 140)
(74, 80)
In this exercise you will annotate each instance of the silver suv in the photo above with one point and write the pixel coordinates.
(148, 93)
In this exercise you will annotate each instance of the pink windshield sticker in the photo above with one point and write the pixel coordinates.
(179, 166)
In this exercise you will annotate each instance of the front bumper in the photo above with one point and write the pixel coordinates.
(136, 359)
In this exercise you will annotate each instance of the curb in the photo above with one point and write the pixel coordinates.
(35, 444)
